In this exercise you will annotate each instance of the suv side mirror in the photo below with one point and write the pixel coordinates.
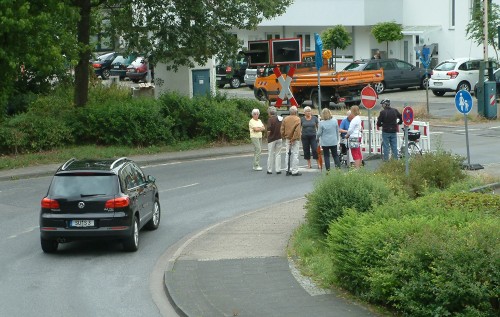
(151, 179)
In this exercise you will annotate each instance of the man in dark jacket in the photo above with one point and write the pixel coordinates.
(274, 141)
(389, 119)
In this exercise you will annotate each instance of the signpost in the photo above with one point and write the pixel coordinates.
(464, 103)
(369, 99)
(407, 121)
(318, 48)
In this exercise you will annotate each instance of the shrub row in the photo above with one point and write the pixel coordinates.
(421, 260)
(113, 117)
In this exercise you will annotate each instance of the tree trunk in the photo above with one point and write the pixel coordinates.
(82, 68)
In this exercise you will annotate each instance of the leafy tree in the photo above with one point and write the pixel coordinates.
(37, 47)
(387, 32)
(336, 37)
(474, 29)
(176, 32)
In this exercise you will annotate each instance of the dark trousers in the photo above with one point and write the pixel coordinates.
(309, 145)
(326, 155)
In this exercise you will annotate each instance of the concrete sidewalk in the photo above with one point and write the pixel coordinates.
(240, 268)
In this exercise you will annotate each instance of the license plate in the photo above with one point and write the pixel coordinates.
(117, 67)
(437, 83)
(219, 78)
(82, 223)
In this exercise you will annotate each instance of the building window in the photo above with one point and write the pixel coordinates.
(271, 36)
(452, 14)
(306, 41)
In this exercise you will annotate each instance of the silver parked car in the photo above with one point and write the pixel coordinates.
(250, 76)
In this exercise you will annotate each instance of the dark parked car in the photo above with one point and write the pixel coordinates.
(102, 64)
(232, 72)
(98, 199)
(397, 73)
(138, 70)
(496, 74)
(120, 64)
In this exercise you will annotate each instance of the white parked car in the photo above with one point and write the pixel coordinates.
(454, 75)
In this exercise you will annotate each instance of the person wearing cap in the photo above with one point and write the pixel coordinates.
(256, 127)
(274, 141)
(291, 132)
(389, 119)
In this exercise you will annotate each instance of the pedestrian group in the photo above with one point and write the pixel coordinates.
(310, 131)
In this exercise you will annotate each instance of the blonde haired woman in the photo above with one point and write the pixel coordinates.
(309, 125)
(328, 135)
(354, 137)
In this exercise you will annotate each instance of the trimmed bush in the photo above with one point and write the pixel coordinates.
(34, 133)
(334, 194)
(428, 172)
(427, 257)
(136, 123)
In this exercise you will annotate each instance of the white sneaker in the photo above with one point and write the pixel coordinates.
(258, 168)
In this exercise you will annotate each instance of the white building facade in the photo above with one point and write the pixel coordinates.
(438, 22)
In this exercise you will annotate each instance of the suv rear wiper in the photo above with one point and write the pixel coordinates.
(90, 195)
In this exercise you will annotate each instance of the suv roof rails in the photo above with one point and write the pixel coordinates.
(117, 161)
(68, 162)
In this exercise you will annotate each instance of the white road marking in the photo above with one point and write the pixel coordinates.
(185, 186)
(23, 232)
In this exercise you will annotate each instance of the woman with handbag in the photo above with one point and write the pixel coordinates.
(354, 137)
(309, 124)
(328, 135)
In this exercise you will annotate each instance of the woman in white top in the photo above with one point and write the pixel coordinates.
(354, 134)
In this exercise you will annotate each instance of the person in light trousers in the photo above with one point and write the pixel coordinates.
(274, 141)
(291, 132)
(256, 127)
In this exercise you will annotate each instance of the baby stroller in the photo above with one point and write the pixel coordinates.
(343, 153)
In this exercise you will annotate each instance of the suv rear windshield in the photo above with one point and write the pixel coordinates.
(86, 185)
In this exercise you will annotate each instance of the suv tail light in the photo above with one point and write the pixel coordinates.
(452, 74)
(119, 202)
(96, 65)
(48, 203)
(228, 69)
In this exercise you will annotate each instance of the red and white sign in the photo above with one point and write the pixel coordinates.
(368, 97)
(408, 116)
(285, 87)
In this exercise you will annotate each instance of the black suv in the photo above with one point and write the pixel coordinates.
(397, 73)
(103, 199)
(232, 72)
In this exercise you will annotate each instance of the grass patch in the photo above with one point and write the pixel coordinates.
(97, 152)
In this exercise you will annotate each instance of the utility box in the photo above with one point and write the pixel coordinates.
(490, 100)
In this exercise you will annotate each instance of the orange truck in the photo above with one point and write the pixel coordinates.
(336, 87)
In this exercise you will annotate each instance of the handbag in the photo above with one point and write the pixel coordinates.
(354, 143)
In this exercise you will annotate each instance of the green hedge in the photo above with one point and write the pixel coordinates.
(428, 257)
(113, 117)
(337, 192)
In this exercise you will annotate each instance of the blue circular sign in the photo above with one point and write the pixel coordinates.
(463, 101)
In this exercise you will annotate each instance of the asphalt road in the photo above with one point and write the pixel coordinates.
(99, 279)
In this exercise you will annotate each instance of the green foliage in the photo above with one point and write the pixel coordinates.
(113, 117)
(33, 133)
(336, 37)
(334, 194)
(420, 258)
(431, 171)
(38, 45)
(387, 32)
(136, 123)
(475, 27)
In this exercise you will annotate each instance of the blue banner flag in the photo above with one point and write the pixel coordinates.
(319, 51)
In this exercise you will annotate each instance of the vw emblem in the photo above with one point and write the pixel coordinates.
(81, 204)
